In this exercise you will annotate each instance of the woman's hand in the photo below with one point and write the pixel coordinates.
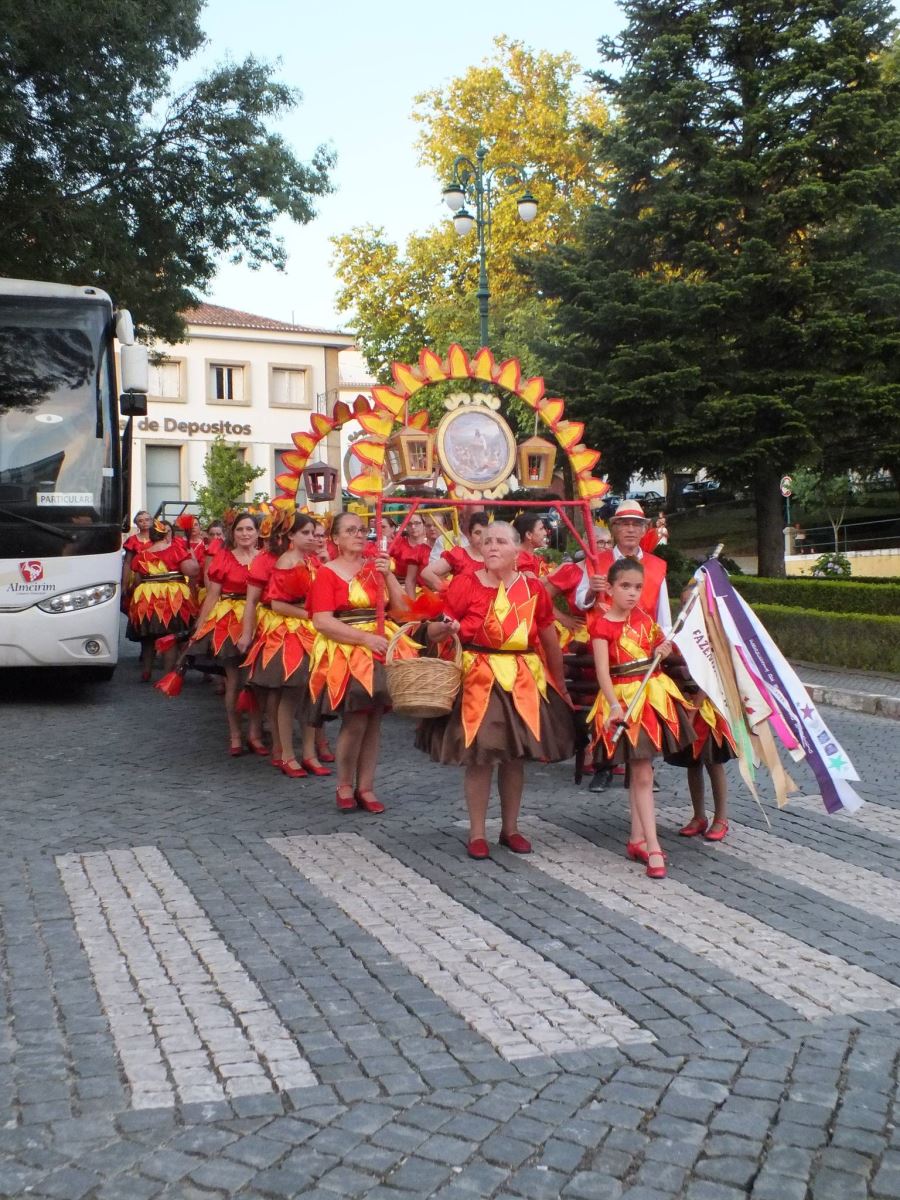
(569, 622)
(243, 642)
(616, 716)
(376, 643)
(383, 562)
(597, 584)
(664, 649)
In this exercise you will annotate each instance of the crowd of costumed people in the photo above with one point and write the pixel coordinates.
(281, 608)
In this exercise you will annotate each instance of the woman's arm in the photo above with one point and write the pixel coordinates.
(434, 573)
(349, 635)
(600, 648)
(410, 581)
(285, 609)
(189, 567)
(248, 623)
(213, 592)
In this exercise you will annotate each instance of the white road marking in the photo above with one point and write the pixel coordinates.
(520, 1002)
(188, 1021)
(814, 983)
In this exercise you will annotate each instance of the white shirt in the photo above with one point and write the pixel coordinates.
(663, 615)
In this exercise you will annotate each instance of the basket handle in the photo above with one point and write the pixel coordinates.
(405, 629)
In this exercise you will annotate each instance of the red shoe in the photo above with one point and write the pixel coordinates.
(656, 872)
(235, 751)
(313, 768)
(258, 747)
(277, 763)
(637, 852)
(370, 806)
(345, 803)
(325, 756)
(515, 842)
(716, 831)
(694, 827)
(145, 676)
(292, 772)
(478, 848)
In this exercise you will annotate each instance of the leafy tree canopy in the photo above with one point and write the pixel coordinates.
(527, 108)
(735, 304)
(228, 477)
(109, 176)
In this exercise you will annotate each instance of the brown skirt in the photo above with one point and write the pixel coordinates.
(625, 752)
(272, 675)
(153, 627)
(502, 736)
(705, 752)
(355, 699)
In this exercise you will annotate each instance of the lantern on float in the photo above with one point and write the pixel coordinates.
(320, 482)
(410, 455)
(536, 458)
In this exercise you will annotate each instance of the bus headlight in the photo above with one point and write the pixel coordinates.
(88, 597)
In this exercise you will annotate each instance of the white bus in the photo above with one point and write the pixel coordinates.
(63, 492)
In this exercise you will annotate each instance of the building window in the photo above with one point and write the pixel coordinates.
(280, 469)
(227, 383)
(288, 387)
(165, 380)
(163, 475)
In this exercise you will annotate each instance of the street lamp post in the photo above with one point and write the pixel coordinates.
(472, 180)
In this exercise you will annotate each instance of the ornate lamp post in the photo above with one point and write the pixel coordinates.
(471, 180)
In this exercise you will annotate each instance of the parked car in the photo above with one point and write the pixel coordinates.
(707, 491)
(649, 500)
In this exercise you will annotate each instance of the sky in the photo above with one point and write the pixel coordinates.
(359, 66)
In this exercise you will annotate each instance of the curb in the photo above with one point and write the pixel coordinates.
(864, 702)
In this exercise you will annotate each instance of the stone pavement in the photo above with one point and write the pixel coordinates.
(859, 691)
(215, 985)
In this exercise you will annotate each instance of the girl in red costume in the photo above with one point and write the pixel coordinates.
(278, 661)
(459, 559)
(533, 533)
(511, 706)
(132, 545)
(219, 625)
(411, 553)
(625, 640)
(162, 601)
(346, 665)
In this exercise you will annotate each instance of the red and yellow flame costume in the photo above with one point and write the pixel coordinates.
(663, 719)
(566, 579)
(160, 604)
(221, 630)
(343, 675)
(283, 643)
(508, 707)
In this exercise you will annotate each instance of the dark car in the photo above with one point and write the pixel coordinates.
(707, 491)
(649, 500)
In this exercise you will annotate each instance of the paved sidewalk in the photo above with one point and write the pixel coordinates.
(859, 691)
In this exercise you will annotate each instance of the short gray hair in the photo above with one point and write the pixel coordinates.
(513, 532)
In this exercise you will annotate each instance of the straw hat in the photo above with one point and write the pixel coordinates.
(629, 509)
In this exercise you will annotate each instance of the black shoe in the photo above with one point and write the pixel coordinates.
(601, 781)
(656, 786)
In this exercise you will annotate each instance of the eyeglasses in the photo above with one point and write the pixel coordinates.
(354, 529)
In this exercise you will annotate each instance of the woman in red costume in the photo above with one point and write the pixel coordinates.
(132, 545)
(162, 601)
(533, 534)
(219, 625)
(278, 659)
(625, 639)
(411, 553)
(564, 581)
(346, 665)
(459, 559)
(511, 706)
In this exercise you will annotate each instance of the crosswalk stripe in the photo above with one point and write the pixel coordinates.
(188, 1022)
(523, 1004)
(857, 887)
(876, 818)
(814, 983)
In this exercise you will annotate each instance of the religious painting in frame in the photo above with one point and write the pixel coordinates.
(476, 447)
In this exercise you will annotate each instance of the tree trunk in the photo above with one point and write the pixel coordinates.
(769, 522)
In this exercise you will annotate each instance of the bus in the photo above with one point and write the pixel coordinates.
(64, 497)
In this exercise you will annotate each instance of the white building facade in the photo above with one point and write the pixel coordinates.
(252, 380)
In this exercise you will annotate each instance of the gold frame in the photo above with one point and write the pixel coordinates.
(454, 473)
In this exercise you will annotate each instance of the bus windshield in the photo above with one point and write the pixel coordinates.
(58, 455)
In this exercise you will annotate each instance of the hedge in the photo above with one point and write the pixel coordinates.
(821, 595)
(857, 641)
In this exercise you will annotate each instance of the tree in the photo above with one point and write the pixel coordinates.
(227, 478)
(109, 177)
(527, 108)
(734, 306)
(816, 491)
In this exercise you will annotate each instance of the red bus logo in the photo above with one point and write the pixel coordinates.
(31, 571)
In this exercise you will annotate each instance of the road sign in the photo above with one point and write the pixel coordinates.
(787, 485)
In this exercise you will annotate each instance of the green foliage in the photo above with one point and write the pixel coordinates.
(108, 176)
(832, 566)
(822, 595)
(734, 306)
(817, 490)
(851, 640)
(527, 107)
(227, 478)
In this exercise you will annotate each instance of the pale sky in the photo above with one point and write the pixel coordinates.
(359, 65)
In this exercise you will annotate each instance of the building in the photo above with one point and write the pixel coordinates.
(252, 380)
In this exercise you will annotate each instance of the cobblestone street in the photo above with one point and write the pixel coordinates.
(216, 985)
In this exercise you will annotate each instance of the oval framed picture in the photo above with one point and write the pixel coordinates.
(476, 448)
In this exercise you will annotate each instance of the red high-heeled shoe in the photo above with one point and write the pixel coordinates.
(656, 872)
(235, 751)
(292, 772)
(345, 803)
(258, 747)
(636, 851)
(694, 827)
(717, 830)
(277, 763)
(370, 806)
(313, 768)
(324, 755)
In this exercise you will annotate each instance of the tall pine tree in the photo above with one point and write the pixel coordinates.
(735, 304)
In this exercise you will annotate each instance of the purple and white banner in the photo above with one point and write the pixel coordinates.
(832, 768)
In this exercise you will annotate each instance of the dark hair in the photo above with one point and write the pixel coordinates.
(229, 532)
(142, 512)
(156, 536)
(621, 565)
(216, 524)
(525, 523)
(301, 520)
(477, 518)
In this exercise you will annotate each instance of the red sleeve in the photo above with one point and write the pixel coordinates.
(133, 544)
(454, 557)
(261, 569)
(599, 627)
(543, 614)
(650, 540)
(218, 568)
(327, 593)
(457, 597)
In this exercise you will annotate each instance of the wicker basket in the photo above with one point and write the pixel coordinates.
(425, 686)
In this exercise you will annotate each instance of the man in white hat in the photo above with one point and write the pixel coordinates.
(628, 525)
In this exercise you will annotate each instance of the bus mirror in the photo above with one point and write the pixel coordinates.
(134, 369)
(124, 327)
(133, 404)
